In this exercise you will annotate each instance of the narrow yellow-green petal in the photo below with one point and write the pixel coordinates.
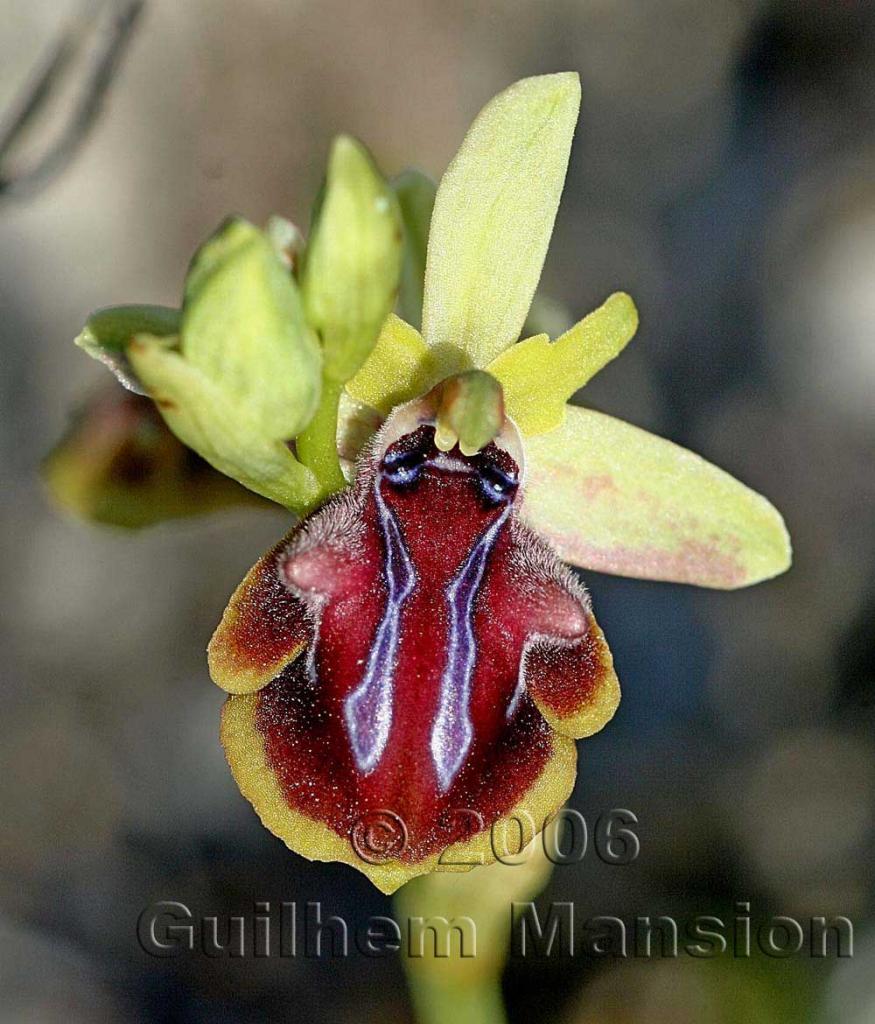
(493, 217)
(400, 367)
(614, 498)
(539, 376)
(217, 427)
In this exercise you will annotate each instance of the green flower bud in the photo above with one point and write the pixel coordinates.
(286, 239)
(243, 328)
(349, 279)
(225, 429)
(415, 192)
(119, 464)
(108, 331)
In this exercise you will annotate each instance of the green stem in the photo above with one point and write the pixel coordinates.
(317, 445)
(449, 1000)
(458, 985)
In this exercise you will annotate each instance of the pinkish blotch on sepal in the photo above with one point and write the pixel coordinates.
(449, 657)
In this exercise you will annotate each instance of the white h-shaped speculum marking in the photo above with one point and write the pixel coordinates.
(368, 709)
(452, 731)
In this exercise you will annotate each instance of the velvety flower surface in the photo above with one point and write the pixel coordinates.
(432, 673)
(409, 667)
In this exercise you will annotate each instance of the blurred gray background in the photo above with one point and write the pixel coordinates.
(723, 175)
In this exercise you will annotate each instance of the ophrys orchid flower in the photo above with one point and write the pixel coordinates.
(409, 668)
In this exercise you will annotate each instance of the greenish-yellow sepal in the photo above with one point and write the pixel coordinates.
(493, 217)
(614, 498)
